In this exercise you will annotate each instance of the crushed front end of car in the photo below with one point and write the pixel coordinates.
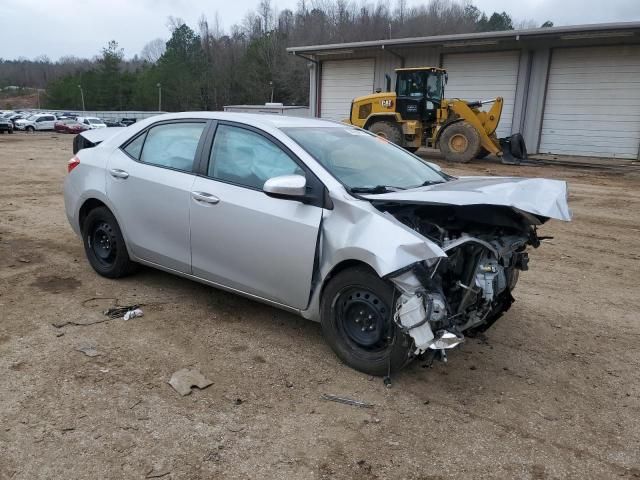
(440, 300)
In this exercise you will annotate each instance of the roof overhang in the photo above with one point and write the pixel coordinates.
(602, 31)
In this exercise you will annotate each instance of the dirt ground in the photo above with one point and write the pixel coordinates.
(553, 392)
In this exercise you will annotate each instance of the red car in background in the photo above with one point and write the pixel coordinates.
(76, 127)
(69, 126)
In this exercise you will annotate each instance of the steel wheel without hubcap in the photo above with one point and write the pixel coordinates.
(102, 241)
(364, 318)
(357, 322)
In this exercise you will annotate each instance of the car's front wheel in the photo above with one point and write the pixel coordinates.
(30, 129)
(356, 317)
(104, 244)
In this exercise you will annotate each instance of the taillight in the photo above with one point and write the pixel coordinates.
(73, 163)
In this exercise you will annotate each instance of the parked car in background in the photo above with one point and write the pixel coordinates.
(128, 121)
(17, 116)
(60, 125)
(38, 122)
(70, 125)
(76, 127)
(393, 256)
(6, 125)
(92, 122)
(113, 123)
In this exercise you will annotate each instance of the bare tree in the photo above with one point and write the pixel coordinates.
(153, 50)
(173, 23)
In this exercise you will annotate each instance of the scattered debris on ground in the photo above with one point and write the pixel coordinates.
(184, 379)
(131, 314)
(121, 312)
(346, 401)
(88, 350)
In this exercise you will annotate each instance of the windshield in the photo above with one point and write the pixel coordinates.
(361, 160)
(95, 121)
(420, 83)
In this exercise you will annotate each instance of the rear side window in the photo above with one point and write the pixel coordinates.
(134, 149)
(172, 145)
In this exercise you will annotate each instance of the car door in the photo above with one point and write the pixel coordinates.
(40, 123)
(240, 237)
(45, 122)
(149, 183)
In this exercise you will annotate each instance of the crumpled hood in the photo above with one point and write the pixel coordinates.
(539, 196)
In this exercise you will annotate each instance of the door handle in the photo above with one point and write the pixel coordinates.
(205, 197)
(117, 173)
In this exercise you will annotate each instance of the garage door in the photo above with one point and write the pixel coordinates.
(481, 76)
(592, 105)
(340, 83)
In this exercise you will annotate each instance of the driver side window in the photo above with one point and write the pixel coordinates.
(247, 158)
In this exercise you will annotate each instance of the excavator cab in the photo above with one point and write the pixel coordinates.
(419, 92)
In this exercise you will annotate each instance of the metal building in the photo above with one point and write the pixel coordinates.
(571, 90)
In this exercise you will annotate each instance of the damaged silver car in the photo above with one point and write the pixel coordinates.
(394, 257)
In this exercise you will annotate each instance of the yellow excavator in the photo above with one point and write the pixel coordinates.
(417, 114)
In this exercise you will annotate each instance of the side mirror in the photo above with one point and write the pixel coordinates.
(435, 166)
(292, 187)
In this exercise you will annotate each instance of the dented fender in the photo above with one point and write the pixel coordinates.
(355, 230)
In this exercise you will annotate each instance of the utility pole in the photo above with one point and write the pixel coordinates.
(271, 85)
(82, 97)
(159, 85)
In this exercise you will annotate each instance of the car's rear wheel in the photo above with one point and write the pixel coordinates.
(356, 317)
(104, 244)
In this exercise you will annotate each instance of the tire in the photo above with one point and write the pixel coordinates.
(30, 129)
(460, 142)
(10, 131)
(387, 130)
(104, 244)
(349, 302)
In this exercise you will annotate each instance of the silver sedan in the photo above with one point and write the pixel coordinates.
(395, 258)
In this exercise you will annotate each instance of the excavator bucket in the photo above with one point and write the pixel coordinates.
(514, 151)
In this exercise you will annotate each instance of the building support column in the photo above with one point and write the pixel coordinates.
(535, 98)
(522, 88)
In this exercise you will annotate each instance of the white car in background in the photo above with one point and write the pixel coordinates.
(36, 122)
(92, 122)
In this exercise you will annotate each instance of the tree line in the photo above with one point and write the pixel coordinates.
(202, 67)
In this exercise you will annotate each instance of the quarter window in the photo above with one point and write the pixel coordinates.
(135, 147)
(171, 145)
(247, 158)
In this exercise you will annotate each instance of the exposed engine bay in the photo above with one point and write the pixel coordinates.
(470, 288)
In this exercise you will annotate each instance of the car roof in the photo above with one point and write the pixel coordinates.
(264, 120)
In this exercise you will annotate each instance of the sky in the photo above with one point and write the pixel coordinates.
(81, 28)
